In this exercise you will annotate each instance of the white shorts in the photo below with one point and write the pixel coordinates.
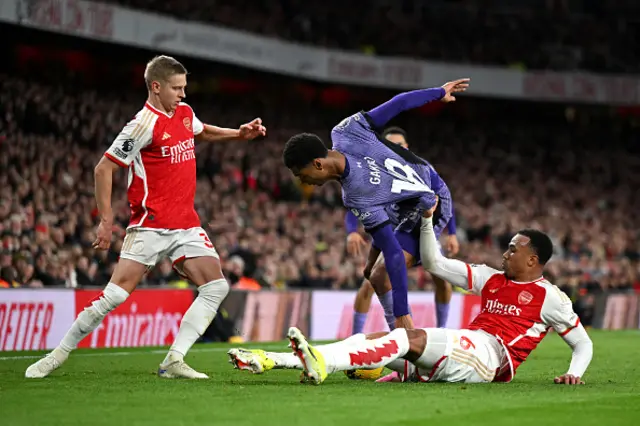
(147, 245)
(467, 356)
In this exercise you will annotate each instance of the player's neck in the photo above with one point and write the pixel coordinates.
(154, 101)
(528, 277)
(338, 162)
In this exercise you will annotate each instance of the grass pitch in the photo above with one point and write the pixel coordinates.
(119, 386)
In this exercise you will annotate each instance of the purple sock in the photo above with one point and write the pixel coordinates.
(387, 305)
(358, 322)
(442, 313)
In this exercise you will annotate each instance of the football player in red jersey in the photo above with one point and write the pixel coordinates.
(518, 308)
(157, 148)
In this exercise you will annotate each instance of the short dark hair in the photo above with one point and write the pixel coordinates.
(302, 149)
(540, 243)
(394, 130)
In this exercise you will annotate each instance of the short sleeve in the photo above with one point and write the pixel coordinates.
(478, 275)
(351, 133)
(557, 311)
(198, 127)
(371, 218)
(135, 135)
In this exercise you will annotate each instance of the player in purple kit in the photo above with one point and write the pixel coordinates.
(356, 243)
(385, 186)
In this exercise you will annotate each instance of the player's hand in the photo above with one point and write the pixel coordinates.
(404, 322)
(456, 86)
(252, 129)
(453, 247)
(355, 244)
(568, 379)
(103, 235)
(432, 210)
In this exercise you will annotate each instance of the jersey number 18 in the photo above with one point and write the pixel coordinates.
(407, 179)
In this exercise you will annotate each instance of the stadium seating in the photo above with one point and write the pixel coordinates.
(573, 177)
(597, 36)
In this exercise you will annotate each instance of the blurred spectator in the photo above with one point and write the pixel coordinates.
(553, 34)
(509, 166)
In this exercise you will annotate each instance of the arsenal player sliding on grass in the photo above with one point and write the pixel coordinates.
(157, 147)
(518, 308)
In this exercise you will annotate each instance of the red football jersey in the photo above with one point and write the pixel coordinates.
(518, 314)
(159, 151)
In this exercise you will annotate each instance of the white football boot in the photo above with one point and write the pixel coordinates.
(179, 370)
(43, 367)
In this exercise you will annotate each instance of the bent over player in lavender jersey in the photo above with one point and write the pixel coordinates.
(409, 245)
(519, 307)
(381, 182)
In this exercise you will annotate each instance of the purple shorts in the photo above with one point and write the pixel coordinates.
(410, 242)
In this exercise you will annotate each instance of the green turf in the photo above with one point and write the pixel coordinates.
(97, 388)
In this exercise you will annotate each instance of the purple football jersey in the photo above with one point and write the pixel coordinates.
(381, 185)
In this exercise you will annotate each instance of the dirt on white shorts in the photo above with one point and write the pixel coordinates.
(467, 356)
(147, 245)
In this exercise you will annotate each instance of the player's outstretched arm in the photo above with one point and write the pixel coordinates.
(557, 311)
(381, 114)
(454, 271)
(246, 132)
(582, 352)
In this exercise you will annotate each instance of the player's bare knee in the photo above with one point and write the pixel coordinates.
(202, 270)
(379, 281)
(128, 274)
(367, 290)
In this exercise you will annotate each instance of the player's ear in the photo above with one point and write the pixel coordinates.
(317, 164)
(155, 87)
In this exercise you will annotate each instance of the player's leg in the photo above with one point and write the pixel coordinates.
(320, 361)
(259, 361)
(443, 297)
(456, 356)
(194, 257)
(138, 254)
(382, 284)
(361, 305)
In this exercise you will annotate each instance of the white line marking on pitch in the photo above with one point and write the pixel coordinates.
(125, 353)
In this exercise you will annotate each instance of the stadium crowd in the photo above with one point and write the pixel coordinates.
(552, 34)
(574, 177)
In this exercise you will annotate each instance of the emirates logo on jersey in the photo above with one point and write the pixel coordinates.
(180, 152)
(187, 123)
(524, 298)
(496, 307)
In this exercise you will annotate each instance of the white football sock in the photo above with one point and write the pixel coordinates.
(197, 318)
(90, 318)
(366, 353)
(285, 360)
(354, 340)
(291, 361)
